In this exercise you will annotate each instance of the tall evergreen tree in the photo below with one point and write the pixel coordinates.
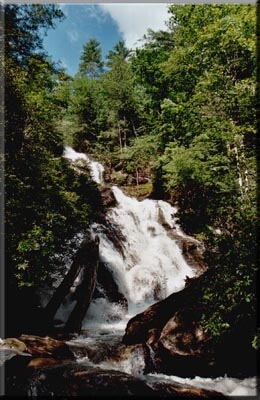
(91, 59)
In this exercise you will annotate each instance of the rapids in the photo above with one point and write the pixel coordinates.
(147, 266)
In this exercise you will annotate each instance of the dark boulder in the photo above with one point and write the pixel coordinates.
(177, 390)
(184, 346)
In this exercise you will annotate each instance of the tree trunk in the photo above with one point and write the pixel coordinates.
(137, 177)
(133, 126)
(80, 260)
(240, 180)
(243, 162)
(85, 290)
(120, 139)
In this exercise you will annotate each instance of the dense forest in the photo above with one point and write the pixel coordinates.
(174, 119)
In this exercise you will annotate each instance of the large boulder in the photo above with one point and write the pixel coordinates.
(172, 330)
(152, 320)
(39, 346)
(184, 346)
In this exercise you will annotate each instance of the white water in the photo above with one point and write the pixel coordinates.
(97, 169)
(149, 268)
(224, 384)
(152, 266)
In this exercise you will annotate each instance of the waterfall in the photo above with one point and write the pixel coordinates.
(147, 265)
(96, 168)
(152, 266)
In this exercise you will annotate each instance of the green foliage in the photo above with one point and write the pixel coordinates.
(139, 158)
(22, 28)
(85, 106)
(146, 64)
(208, 165)
(120, 51)
(47, 203)
(256, 340)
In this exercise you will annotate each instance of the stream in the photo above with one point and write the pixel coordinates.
(147, 265)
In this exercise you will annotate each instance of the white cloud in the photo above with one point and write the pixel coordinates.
(73, 35)
(93, 12)
(133, 19)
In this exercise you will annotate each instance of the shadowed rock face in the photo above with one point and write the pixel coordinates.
(182, 334)
(108, 197)
(110, 287)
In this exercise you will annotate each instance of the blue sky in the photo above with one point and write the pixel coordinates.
(106, 22)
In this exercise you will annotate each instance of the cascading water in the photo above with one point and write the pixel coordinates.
(147, 265)
(96, 168)
(151, 266)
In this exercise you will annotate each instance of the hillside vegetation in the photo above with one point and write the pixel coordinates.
(175, 118)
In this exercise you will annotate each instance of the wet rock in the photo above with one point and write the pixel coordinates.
(13, 354)
(46, 347)
(183, 346)
(192, 250)
(109, 382)
(177, 390)
(72, 379)
(97, 350)
(133, 359)
(49, 374)
(109, 286)
(39, 362)
(108, 197)
(171, 327)
(14, 344)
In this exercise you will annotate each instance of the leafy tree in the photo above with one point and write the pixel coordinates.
(209, 165)
(47, 203)
(119, 51)
(140, 157)
(121, 96)
(22, 25)
(146, 65)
